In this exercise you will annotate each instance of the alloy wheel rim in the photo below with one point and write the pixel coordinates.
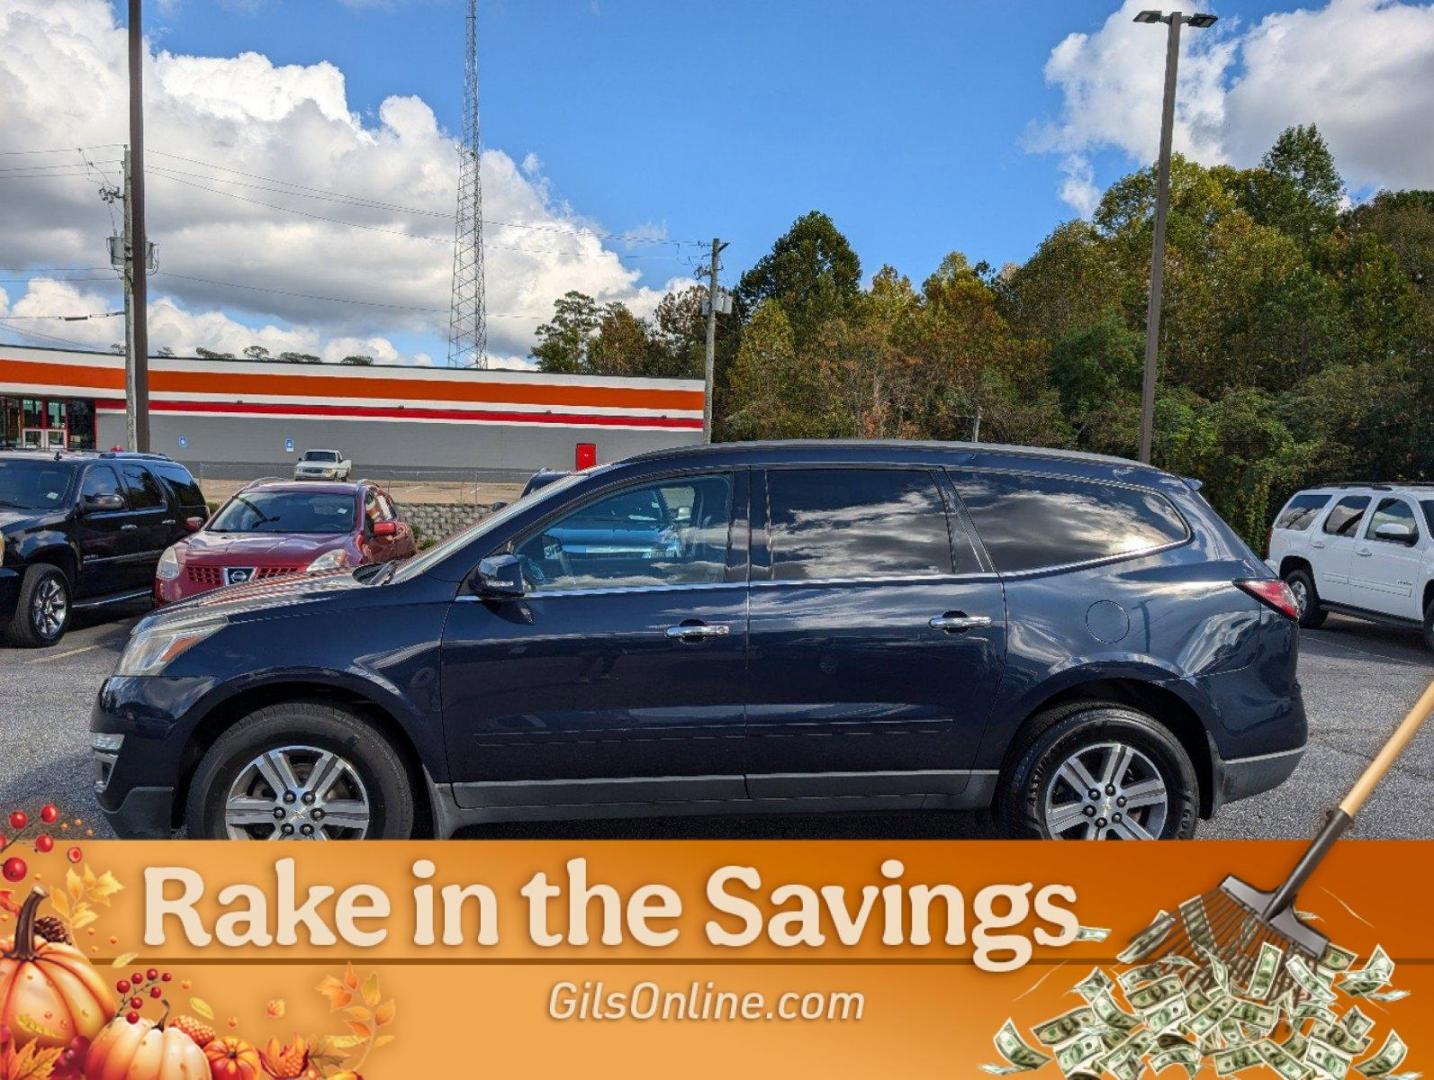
(297, 793)
(1301, 594)
(1106, 791)
(49, 607)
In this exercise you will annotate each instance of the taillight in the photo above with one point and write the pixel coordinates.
(1273, 593)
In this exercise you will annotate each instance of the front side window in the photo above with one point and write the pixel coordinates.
(34, 485)
(1031, 522)
(1301, 512)
(671, 532)
(325, 513)
(1393, 512)
(1344, 519)
(856, 523)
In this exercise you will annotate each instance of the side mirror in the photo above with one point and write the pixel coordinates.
(100, 504)
(194, 524)
(385, 528)
(500, 577)
(1395, 531)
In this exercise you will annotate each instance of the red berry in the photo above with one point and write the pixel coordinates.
(132, 1017)
(166, 977)
(48, 813)
(155, 991)
(122, 986)
(44, 844)
(18, 819)
(14, 869)
(137, 978)
(74, 854)
(152, 974)
(136, 1003)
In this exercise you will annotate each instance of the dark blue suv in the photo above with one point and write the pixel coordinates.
(1078, 642)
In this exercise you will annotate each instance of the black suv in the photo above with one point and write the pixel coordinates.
(1080, 641)
(82, 530)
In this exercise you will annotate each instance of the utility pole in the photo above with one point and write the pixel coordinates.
(1173, 22)
(711, 355)
(137, 249)
(131, 397)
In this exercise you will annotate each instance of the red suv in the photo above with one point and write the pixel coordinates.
(272, 529)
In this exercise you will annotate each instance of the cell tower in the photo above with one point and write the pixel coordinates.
(467, 322)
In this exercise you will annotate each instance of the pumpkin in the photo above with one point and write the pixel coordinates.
(232, 1058)
(144, 1050)
(49, 993)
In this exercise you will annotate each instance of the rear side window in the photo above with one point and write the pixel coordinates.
(144, 490)
(1344, 519)
(856, 523)
(99, 480)
(1029, 522)
(181, 486)
(1301, 512)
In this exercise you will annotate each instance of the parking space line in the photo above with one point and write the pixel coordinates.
(62, 655)
(1364, 653)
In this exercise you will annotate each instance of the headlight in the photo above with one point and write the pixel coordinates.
(330, 560)
(168, 568)
(149, 652)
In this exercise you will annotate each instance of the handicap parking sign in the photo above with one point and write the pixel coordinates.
(183, 441)
(288, 446)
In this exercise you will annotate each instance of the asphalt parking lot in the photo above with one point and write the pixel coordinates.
(1358, 680)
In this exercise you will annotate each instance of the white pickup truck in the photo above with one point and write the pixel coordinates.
(1361, 549)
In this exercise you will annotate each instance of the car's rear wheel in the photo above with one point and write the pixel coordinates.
(1301, 583)
(1100, 772)
(1429, 625)
(43, 610)
(301, 771)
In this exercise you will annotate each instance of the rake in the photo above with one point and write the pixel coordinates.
(1233, 922)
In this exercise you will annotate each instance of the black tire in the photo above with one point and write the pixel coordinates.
(1301, 583)
(299, 727)
(33, 625)
(1083, 729)
(1429, 625)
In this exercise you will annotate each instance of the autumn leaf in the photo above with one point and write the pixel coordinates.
(7, 902)
(359, 1013)
(276, 1008)
(202, 1007)
(123, 959)
(383, 1040)
(363, 1031)
(337, 993)
(371, 992)
(33, 1063)
(384, 1014)
(351, 979)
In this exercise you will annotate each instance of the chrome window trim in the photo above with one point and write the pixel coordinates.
(615, 590)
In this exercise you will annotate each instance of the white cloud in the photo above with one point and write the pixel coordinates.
(287, 129)
(1359, 69)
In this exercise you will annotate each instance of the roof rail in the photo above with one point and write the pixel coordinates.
(266, 480)
(140, 454)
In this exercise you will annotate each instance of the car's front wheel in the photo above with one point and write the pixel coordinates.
(43, 609)
(1100, 772)
(1429, 625)
(301, 771)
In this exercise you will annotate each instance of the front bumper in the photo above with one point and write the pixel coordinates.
(135, 785)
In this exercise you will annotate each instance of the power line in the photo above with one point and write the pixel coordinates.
(59, 149)
(71, 318)
(341, 299)
(46, 337)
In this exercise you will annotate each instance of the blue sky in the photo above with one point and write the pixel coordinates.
(906, 122)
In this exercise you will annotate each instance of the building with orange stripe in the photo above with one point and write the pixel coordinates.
(260, 415)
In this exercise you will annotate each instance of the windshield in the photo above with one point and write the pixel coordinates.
(34, 485)
(286, 512)
(435, 555)
(321, 455)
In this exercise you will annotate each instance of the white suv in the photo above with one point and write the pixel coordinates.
(1361, 549)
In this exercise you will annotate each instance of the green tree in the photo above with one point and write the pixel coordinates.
(775, 394)
(359, 360)
(563, 341)
(811, 269)
(256, 352)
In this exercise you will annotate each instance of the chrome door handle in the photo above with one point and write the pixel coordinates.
(957, 621)
(698, 631)
(128, 528)
(169, 521)
(1317, 544)
(1363, 553)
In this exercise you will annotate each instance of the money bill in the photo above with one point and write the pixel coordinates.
(1149, 939)
(1094, 984)
(1308, 981)
(1092, 933)
(1387, 995)
(1237, 1058)
(1217, 969)
(1340, 1037)
(1208, 1019)
(1327, 1059)
(1282, 1061)
(1112, 1015)
(1168, 1015)
(1375, 975)
(1267, 966)
(1067, 1026)
(1186, 1056)
(1146, 998)
(1336, 959)
(1262, 1017)
(1391, 1055)
(1197, 923)
(1072, 1056)
(1355, 1022)
(1021, 1057)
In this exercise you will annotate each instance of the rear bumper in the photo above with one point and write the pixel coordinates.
(1239, 778)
